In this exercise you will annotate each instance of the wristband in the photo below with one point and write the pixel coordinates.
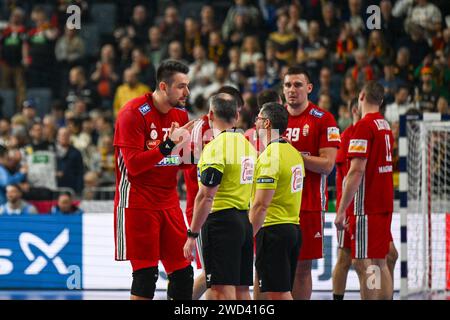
(166, 147)
(191, 234)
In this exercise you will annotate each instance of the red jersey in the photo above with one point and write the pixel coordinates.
(201, 134)
(144, 177)
(342, 164)
(252, 137)
(372, 139)
(308, 132)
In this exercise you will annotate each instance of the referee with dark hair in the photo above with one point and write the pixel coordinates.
(225, 171)
(275, 205)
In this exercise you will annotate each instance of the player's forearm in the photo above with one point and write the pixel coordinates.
(202, 208)
(137, 161)
(352, 182)
(318, 164)
(257, 215)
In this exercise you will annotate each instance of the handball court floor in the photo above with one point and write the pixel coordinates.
(159, 295)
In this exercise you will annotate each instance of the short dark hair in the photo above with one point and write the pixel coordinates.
(374, 92)
(167, 69)
(299, 70)
(352, 103)
(15, 185)
(267, 95)
(224, 106)
(233, 92)
(277, 114)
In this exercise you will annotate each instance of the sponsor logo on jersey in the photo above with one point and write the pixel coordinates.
(265, 180)
(152, 144)
(316, 113)
(385, 169)
(357, 146)
(333, 134)
(297, 178)
(144, 109)
(305, 130)
(153, 134)
(169, 161)
(318, 235)
(247, 170)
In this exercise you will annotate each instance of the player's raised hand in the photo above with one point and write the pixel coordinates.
(177, 134)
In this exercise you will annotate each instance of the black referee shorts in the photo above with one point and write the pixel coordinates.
(277, 250)
(227, 247)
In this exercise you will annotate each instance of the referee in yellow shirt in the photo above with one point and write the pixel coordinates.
(225, 170)
(275, 205)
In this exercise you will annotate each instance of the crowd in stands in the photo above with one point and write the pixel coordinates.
(242, 43)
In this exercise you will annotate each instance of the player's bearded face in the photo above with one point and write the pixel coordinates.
(178, 90)
(296, 88)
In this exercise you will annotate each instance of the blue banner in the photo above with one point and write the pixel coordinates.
(40, 251)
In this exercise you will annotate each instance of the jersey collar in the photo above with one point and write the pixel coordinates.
(279, 140)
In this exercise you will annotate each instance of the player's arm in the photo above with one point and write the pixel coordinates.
(352, 182)
(258, 211)
(210, 182)
(138, 161)
(323, 163)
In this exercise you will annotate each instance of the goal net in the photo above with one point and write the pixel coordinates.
(425, 217)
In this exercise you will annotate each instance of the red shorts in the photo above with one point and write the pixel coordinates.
(370, 235)
(311, 225)
(147, 236)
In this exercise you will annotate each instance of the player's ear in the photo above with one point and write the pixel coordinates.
(162, 86)
(309, 87)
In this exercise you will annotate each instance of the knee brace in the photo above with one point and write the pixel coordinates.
(181, 283)
(144, 282)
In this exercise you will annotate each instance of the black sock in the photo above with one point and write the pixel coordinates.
(338, 296)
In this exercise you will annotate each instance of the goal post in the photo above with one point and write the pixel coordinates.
(424, 163)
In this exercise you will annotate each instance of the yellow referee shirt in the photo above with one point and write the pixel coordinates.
(280, 167)
(235, 157)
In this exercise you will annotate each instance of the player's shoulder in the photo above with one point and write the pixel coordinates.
(319, 113)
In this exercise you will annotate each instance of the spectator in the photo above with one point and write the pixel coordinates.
(107, 163)
(126, 46)
(378, 50)
(261, 80)
(296, 24)
(362, 71)
(239, 30)
(236, 73)
(390, 82)
(156, 48)
(192, 37)
(285, 41)
(49, 128)
(131, 88)
(29, 112)
(91, 183)
(66, 206)
(312, 52)
(217, 50)
(105, 77)
(240, 7)
(403, 68)
(69, 163)
(201, 71)
(416, 44)
(5, 131)
(325, 103)
(79, 87)
(442, 106)
(273, 65)
(329, 25)
(345, 46)
(69, 50)
(325, 86)
(426, 15)
(208, 21)
(349, 89)
(171, 27)
(250, 53)
(6, 177)
(138, 27)
(399, 107)
(221, 79)
(391, 27)
(426, 94)
(175, 51)
(344, 118)
(12, 53)
(145, 70)
(357, 25)
(15, 205)
(41, 50)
